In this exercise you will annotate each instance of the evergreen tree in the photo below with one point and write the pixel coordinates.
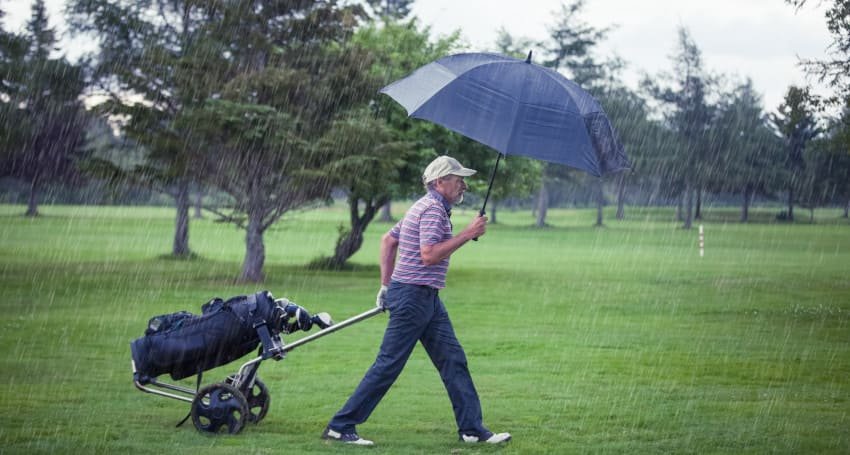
(834, 70)
(44, 121)
(646, 141)
(826, 177)
(688, 113)
(517, 47)
(155, 60)
(751, 154)
(795, 121)
(839, 138)
(13, 50)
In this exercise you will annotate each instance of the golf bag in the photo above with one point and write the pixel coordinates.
(183, 344)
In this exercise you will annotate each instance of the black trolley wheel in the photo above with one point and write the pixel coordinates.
(219, 407)
(258, 399)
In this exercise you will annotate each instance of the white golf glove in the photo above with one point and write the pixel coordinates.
(380, 302)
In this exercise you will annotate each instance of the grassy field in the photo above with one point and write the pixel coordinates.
(619, 339)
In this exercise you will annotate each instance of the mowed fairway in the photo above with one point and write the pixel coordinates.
(580, 339)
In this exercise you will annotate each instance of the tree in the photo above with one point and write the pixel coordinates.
(641, 137)
(13, 51)
(43, 131)
(516, 178)
(517, 47)
(815, 184)
(689, 114)
(839, 137)
(751, 152)
(398, 47)
(826, 178)
(365, 160)
(155, 60)
(835, 70)
(292, 71)
(397, 9)
(571, 44)
(794, 120)
(256, 155)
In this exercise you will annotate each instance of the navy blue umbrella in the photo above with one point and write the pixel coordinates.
(516, 107)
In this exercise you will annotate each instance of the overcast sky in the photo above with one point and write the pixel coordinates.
(761, 39)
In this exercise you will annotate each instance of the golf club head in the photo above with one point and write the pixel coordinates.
(323, 320)
(291, 317)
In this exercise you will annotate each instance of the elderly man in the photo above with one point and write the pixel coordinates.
(423, 242)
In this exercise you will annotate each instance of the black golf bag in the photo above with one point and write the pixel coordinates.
(183, 344)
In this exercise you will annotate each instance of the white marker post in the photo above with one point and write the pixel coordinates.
(701, 241)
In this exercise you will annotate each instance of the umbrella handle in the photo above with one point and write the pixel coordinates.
(489, 188)
(480, 213)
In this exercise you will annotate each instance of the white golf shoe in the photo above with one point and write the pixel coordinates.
(348, 438)
(489, 438)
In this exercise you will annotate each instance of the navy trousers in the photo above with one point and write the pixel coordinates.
(416, 314)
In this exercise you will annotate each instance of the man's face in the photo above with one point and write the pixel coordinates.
(452, 188)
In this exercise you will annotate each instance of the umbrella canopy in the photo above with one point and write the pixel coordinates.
(516, 107)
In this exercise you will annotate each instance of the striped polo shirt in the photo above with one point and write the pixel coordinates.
(426, 223)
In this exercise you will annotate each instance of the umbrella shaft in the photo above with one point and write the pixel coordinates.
(490, 186)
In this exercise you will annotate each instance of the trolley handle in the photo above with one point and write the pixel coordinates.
(338, 326)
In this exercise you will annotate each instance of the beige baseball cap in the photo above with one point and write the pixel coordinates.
(443, 166)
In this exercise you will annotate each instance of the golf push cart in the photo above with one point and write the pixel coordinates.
(183, 344)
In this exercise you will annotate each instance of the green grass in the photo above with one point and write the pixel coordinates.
(581, 340)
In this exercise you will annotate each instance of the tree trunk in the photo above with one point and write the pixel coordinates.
(255, 249)
(350, 242)
(600, 202)
(347, 245)
(790, 203)
(542, 204)
(493, 206)
(32, 204)
(812, 214)
(847, 209)
(180, 247)
(680, 207)
(745, 207)
(199, 197)
(689, 206)
(621, 196)
(386, 212)
(698, 210)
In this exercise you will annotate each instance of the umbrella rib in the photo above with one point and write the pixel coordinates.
(517, 104)
(560, 79)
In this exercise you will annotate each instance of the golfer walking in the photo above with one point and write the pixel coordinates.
(423, 242)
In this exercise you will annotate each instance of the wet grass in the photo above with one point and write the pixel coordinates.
(581, 340)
